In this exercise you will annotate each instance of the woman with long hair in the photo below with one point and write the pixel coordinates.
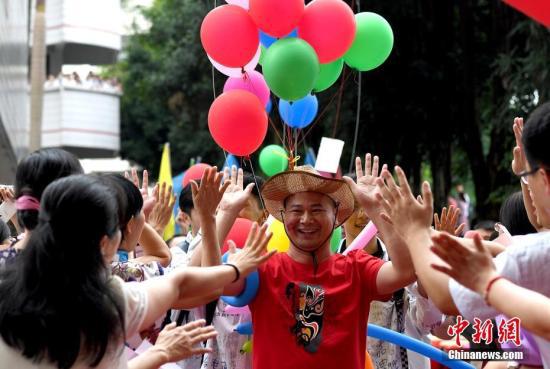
(62, 308)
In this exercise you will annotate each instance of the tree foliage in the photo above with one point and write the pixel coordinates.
(445, 100)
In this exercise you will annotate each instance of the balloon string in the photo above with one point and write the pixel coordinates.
(256, 183)
(357, 116)
(323, 112)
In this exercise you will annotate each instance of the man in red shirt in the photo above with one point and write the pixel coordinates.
(312, 307)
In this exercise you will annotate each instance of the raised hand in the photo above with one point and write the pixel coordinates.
(447, 221)
(149, 200)
(162, 209)
(235, 197)
(365, 188)
(179, 343)
(254, 252)
(519, 163)
(407, 213)
(472, 267)
(208, 195)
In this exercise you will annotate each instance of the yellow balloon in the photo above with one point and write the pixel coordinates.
(279, 241)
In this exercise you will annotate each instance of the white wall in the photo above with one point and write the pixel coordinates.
(81, 118)
(95, 23)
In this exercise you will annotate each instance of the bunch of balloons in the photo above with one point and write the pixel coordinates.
(302, 50)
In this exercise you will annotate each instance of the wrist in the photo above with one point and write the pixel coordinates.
(158, 355)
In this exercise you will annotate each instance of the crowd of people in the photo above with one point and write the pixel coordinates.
(87, 280)
(93, 82)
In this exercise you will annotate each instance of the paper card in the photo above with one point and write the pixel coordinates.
(328, 157)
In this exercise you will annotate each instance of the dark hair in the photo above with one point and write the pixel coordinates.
(514, 216)
(58, 303)
(249, 178)
(536, 135)
(488, 225)
(128, 198)
(36, 171)
(185, 200)
(5, 233)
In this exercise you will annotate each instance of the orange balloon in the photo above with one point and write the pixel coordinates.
(368, 362)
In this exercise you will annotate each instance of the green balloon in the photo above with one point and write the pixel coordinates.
(262, 54)
(372, 44)
(335, 240)
(328, 74)
(290, 68)
(273, 160)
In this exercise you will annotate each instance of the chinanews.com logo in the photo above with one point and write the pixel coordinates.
(508, 333)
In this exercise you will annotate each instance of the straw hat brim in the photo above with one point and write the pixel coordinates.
(285, 184)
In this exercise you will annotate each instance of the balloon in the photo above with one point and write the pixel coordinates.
(194, 173)
(238, 233)
(231, 161)
(251, 285)
(328, 74)
(279, 241)
(273, 160)
(267, 40)
(237, 72)
(252, 82)
(373, 42)
(247, 347)
(238, 122)
(299, 114)
(244, 329)
(269, 106)
(229, 36)
(276, 17)
(291, 68)
(412, 344)
(263, 50)
(242, 3)
(243, 310)
(336, 240)
(329, 27)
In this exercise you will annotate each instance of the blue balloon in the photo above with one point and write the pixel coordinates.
(299, 114)
(268, 40)
(269, 106)
(244, 328)
(251, 286)
(231, 161)
(412, 344)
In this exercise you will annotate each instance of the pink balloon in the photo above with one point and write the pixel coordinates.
(242, 3)
(250, 81)
(245, 310)
(237, 72)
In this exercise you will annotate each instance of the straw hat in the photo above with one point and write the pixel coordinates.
(306, 179)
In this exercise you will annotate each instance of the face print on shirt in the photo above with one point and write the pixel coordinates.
(308, 303)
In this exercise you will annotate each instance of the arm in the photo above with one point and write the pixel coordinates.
(174, 344)
(154, 247)
(399, 272)
(519, 166)
(474, 269)
(187, 286)
(233, 201)
(412, 219)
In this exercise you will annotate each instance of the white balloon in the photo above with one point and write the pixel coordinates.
(237, 72)
(242, 3)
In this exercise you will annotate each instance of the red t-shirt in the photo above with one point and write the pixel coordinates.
(307, 322)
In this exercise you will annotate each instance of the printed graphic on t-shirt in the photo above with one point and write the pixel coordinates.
(308, 307)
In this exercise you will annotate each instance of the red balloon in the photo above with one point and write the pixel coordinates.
(229, 36)
(238, 234)
(276, 17)
(238, 122)
(194, 173)
(329, 27)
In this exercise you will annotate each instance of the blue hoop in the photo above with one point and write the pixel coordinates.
(251, 285)
(412, 344)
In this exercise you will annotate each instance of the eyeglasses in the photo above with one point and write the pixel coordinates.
(525, 174)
